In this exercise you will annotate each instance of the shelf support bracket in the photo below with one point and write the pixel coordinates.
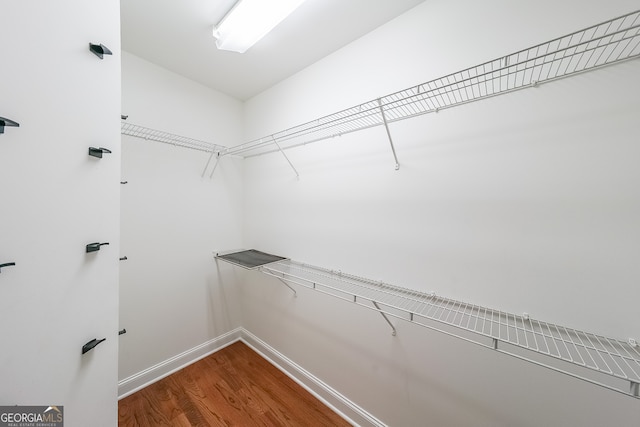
(393, 328)
(209, 161)
(285, 156)
(215, 165)
(634, 389)
(262, 270)
(295, 294)
(217, 154)
(386, 126)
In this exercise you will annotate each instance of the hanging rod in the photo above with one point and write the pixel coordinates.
(603, 44)
(607, 362)
(131, 129)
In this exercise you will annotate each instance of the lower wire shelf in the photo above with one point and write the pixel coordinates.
(607, 362)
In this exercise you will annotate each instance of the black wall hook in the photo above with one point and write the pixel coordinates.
(8, 264)
(6, 122)
(98, 152)
(93, 247)
(124, 258)
(124, 182)
(99, 50)
(91, 345)
(122, 332)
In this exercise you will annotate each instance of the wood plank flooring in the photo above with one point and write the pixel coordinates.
(233, 387)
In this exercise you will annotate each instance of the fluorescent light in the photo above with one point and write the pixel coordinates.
(249, 21)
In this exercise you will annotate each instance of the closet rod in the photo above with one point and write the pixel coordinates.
(603, 44)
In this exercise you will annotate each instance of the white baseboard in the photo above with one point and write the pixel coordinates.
(155, 373)
(344, 407)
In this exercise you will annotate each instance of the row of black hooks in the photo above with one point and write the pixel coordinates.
(100, 51)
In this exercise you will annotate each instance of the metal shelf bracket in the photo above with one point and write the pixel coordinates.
(204, 171)
(285, 156)
(295, 294)
(386, 126)
(215, 166)
(393, 328)
(634, 389)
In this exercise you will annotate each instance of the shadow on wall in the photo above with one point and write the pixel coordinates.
(221, 320)
(410, 374)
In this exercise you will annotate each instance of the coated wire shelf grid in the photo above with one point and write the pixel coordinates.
(512, 334)
(168, 138)
(607, 43)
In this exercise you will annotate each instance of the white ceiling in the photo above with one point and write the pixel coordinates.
(177, 35)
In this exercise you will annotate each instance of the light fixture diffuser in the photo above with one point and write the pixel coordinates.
(249, 21)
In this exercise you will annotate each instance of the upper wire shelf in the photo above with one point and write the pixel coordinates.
(169, 138)
(607, 43)
(607, 362)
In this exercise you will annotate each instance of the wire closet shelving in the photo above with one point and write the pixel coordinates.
(607, 43)
(607, 362)
(168, 138)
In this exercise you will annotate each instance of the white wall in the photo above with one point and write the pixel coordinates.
(172, 298)
(55, 200)
(525, 202)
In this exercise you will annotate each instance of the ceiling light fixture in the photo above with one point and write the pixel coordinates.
(250, 20)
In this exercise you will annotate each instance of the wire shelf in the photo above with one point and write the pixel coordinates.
(594, 47)
(168, 138)
(607, 362)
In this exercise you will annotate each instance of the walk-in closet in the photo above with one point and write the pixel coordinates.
(418, 213)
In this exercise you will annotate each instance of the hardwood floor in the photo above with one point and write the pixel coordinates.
(232, 387)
